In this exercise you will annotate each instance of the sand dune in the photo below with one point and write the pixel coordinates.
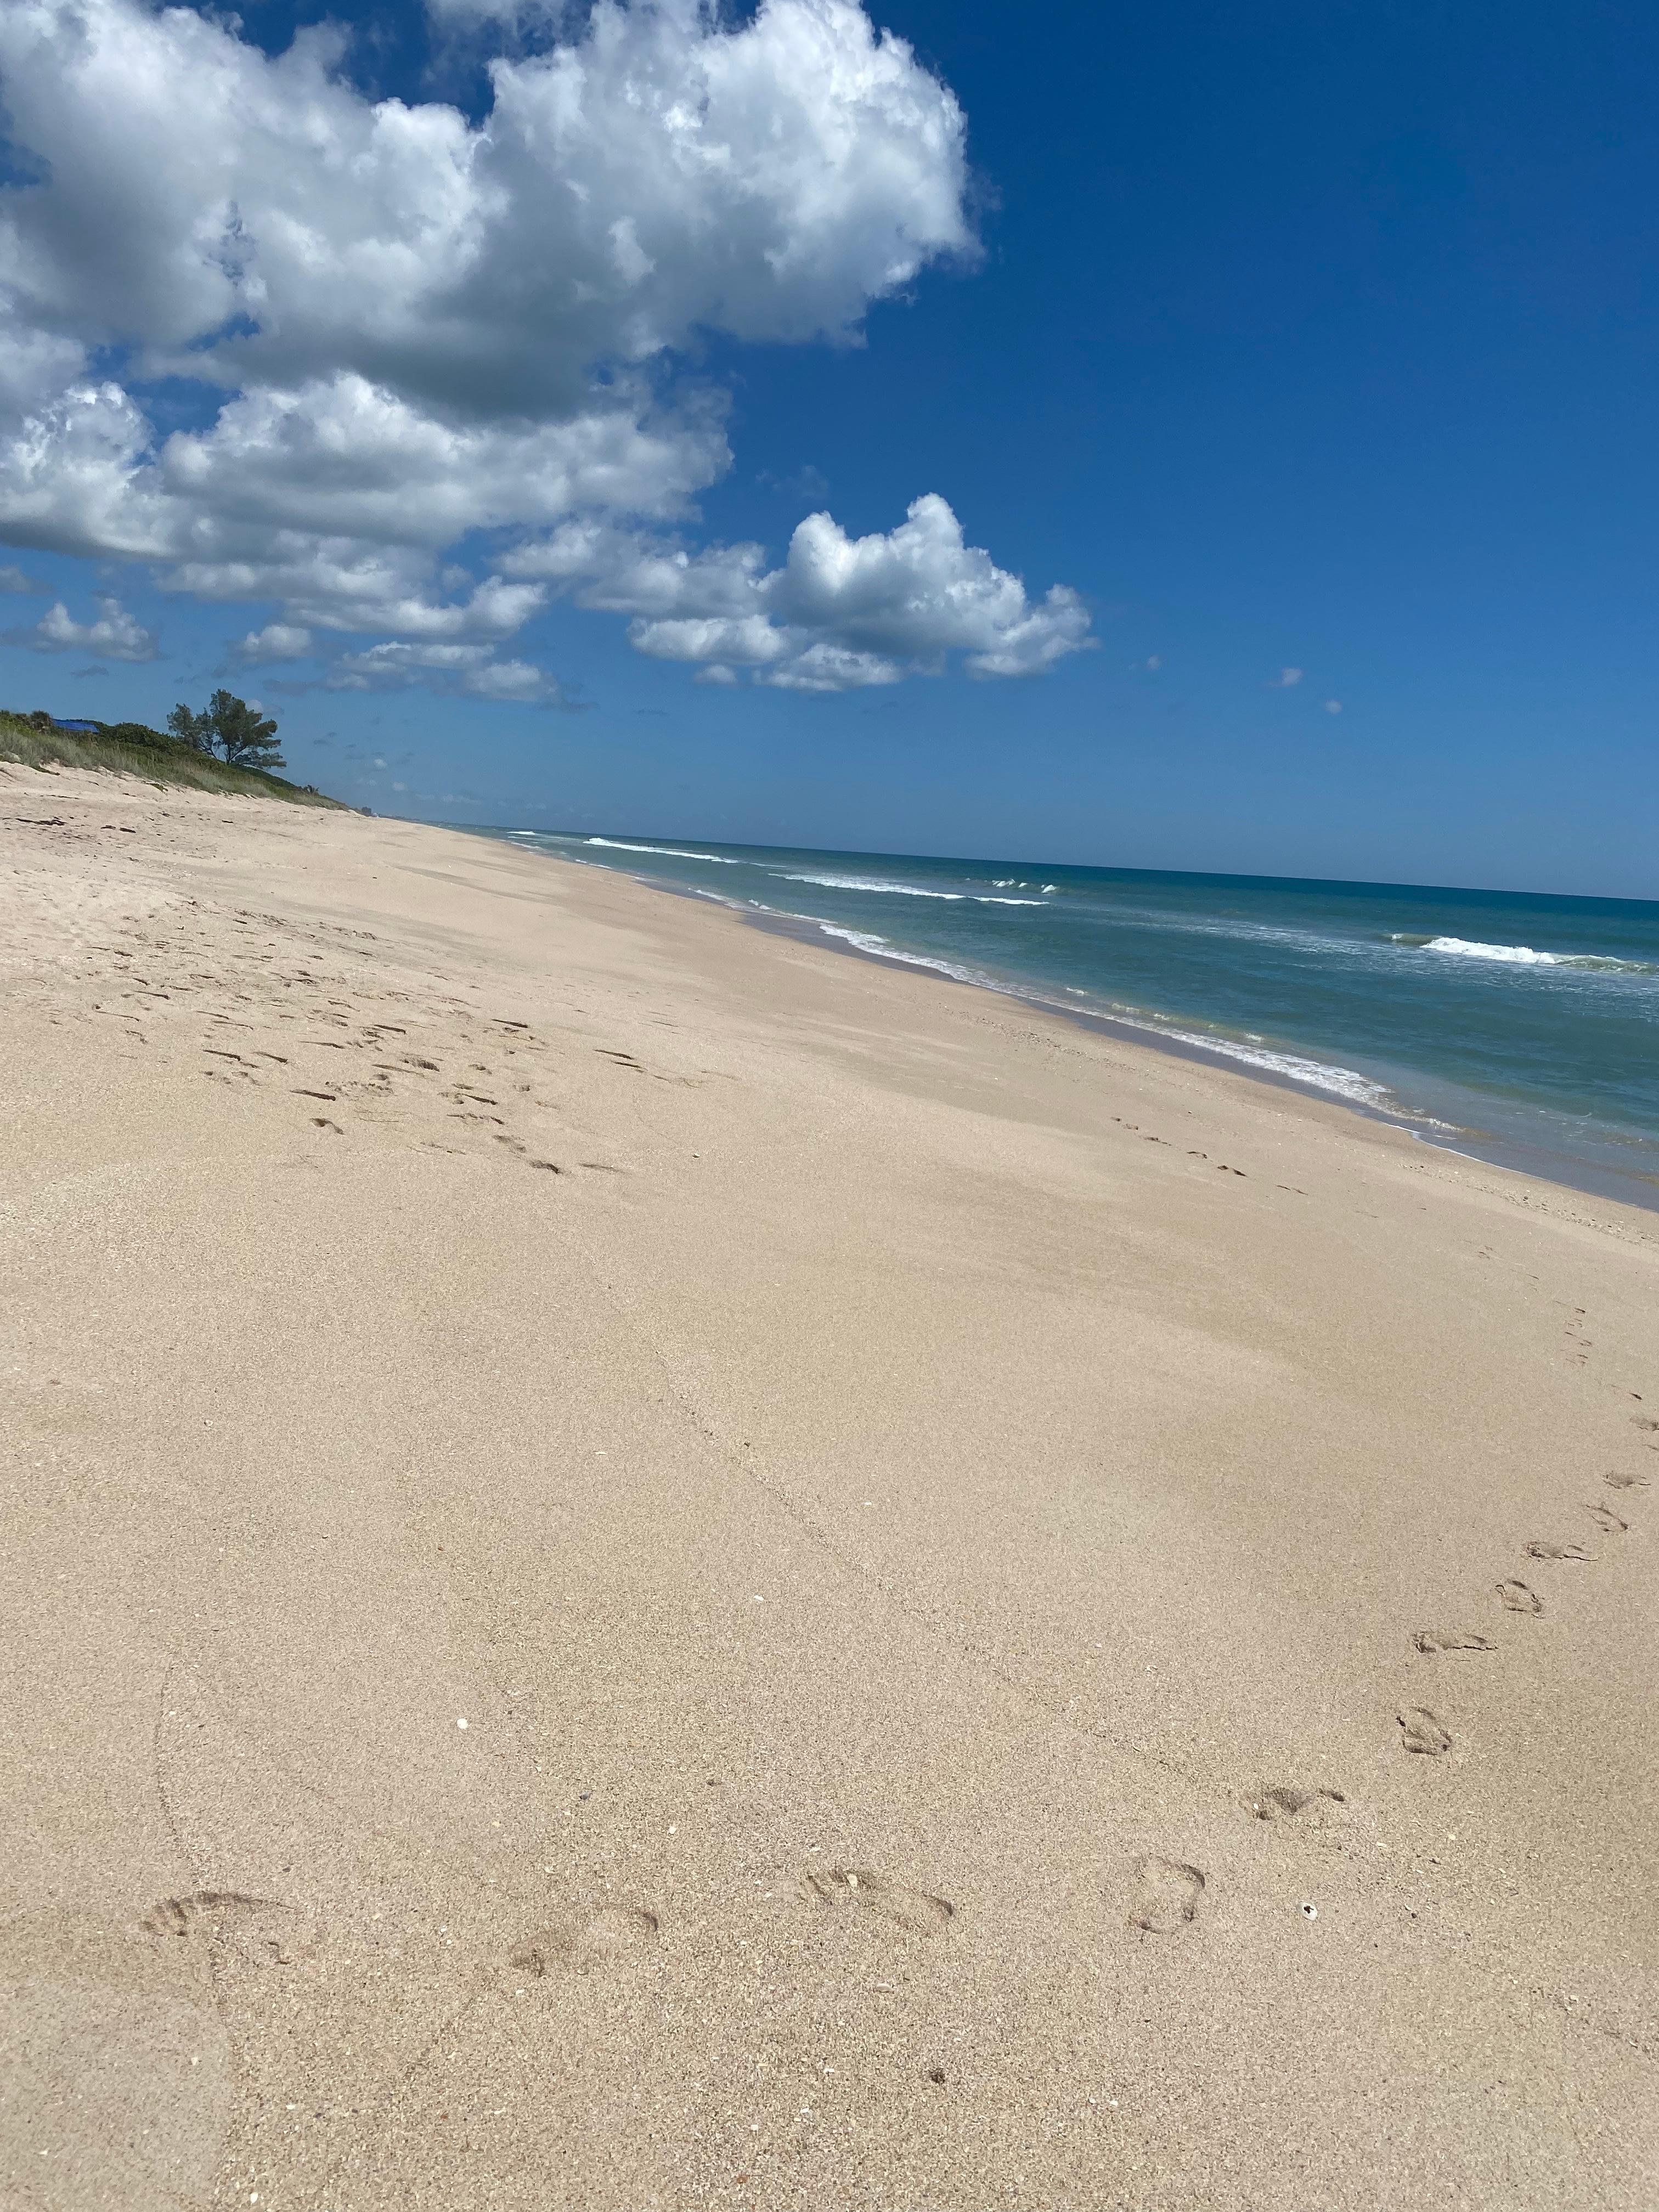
(650, 1566)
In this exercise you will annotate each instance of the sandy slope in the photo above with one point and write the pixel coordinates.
(923, 1513)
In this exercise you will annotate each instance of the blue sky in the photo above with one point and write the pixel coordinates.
(1310, 338)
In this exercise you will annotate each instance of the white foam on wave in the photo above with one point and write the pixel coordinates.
(907, 891)
(1317, 1074)
(872, 883)
(1519, 956)
(664, 852)
(1523, 956)
(866, 941)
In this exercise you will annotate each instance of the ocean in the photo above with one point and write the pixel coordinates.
(1517, 1027)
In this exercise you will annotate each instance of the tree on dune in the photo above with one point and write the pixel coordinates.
(191, 728)
(244, 736)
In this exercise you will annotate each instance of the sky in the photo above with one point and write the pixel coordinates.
(1189, 438)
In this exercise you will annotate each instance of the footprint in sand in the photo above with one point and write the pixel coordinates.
(1455, 1639)
(255, 1931)
(1621, 1480)
(1422, 1732)
(1166, 1894)
(1605, 1518)
(611, 1933)
(1284, 1802)
(1519, 1599)
(1542, 1547)
(858, 1887)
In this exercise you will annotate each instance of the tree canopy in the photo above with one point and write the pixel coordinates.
(228, 726)
(191, 728)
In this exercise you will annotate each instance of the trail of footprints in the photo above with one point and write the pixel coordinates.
(225, 1934)
(1164, 1895)
(1423, 1732)
(295, 995)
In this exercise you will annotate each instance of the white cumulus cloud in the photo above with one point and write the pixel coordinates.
(115, 635)
(659, 172)
(275, 642)
(470, 668)
(403, 333)
(838, 614)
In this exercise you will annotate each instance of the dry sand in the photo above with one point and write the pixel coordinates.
(650, 1566)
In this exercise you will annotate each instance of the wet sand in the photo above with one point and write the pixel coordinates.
(649, 1567)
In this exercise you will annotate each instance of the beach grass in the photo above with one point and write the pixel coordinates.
(156, 758)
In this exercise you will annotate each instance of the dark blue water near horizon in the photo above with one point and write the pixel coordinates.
(1523, 1026)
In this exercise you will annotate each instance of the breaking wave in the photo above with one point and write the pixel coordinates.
(1522, 956)
(907, 891)
(866, 941)
(664, 852)
(873, 884)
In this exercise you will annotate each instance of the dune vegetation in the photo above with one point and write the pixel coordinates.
(34, 741)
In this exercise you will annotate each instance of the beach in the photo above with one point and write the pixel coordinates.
(652, 1565)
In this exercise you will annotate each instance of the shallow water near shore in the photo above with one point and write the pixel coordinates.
(1522, 1027)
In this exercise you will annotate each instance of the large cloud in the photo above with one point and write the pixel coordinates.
(402, 329)
(658, 174)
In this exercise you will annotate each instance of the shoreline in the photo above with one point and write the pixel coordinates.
(1536, 1162)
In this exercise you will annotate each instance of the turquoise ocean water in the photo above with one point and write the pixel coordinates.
(1517, 1027)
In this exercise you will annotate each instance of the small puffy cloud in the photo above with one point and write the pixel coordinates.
(275, 642)
(12, 579)
(514, 680)
(392, 664)
(839, 614)
(1332, 706)
(1154, 662)
(717, 673)
(919, 591)
(472, 670)
(1287, 680)
(115, 635)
